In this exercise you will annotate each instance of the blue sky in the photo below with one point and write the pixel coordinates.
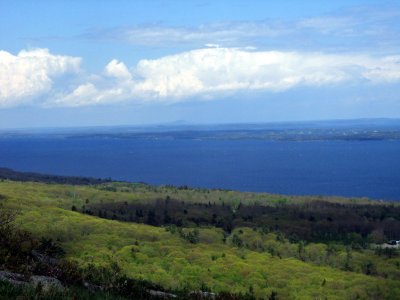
(82, 63)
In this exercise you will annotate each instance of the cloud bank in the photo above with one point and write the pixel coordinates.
(30, 73)
(208, 73)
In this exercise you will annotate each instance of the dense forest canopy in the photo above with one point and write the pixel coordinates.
(117, 240)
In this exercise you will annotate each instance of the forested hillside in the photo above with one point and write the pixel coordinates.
(112, 240)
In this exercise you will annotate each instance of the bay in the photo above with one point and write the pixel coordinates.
(343, 168)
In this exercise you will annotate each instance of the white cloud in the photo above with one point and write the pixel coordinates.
(89, 94)
(118, 70)
(207, 73)
(30, 73)
(226, 33)
(211, 72)
(330, 25)
(354, 28)
(386, 70)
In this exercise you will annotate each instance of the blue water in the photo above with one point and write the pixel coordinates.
(345, 168)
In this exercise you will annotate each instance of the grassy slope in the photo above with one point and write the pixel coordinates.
(153, 253)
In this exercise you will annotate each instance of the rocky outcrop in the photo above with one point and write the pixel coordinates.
(202, 295)
(13, 278)
(47, 283)
(93, 287)
(160, 294)
(45, 259)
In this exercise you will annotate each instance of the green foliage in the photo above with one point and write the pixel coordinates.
(192, 236)
(236, 241)
(387, 252)
(256, 261)
(317, 221)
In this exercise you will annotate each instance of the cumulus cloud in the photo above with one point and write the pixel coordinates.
(30, 73)
(207, 73)
(88, 94)
(118, 70)
(213, 72)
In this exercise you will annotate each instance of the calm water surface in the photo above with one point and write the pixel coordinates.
(346, 168)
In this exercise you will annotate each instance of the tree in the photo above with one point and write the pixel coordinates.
(301, 250)
(348, 262)
(151, 218)
(377, 236)
(369, 268)
(7, 217)
(237, 241)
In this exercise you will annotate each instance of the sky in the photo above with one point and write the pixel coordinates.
(96, 63)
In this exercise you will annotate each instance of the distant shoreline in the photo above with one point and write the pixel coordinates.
(346, 130)
(10, 174)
